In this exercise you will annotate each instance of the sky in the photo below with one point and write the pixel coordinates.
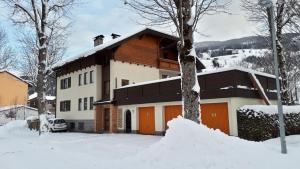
(95, 17)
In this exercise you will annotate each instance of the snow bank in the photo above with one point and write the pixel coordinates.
(17, 127)
(272, 109)
(188, 145)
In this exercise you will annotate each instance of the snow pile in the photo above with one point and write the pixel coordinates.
(17, 127)
(188, 145)
(272, 109)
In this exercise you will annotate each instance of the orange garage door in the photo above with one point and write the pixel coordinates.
(172, 112)
(146, 120)
(215, 116)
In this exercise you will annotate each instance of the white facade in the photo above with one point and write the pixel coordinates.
(77, 91)
(132, 72)
(233, 105)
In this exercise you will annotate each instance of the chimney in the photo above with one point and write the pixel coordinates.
(114, 36)
(98, 40)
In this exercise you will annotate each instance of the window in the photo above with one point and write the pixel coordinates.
(91, 103)
(85, 103)
(85, 78)
(91, 76)
(79, 79)
(125, 82)
(65, 106)
(80, 126)
(80, 104)
(65, 83)
(164, 76)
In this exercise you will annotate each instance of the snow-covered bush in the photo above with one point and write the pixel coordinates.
(258, 122)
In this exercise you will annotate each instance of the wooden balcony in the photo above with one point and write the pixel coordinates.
(168, 64)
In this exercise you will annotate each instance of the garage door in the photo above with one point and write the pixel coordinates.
(146, 120)
(172, 112)
(215, 116)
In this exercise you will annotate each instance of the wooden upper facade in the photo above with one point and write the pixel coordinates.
(222, 84)
(147, 47)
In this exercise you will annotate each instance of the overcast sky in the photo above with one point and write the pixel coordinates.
(110, 16)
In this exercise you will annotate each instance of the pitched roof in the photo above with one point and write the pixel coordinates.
(16, 76)
(114, 43)
(34, 95)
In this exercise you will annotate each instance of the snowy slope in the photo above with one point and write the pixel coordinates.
(185, 146)
(231, 60)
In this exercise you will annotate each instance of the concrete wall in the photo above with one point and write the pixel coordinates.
(233, 105)
(133, 72)
(76, 92)
(22, 113)
(13, 91)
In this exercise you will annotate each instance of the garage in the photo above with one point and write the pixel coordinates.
(215, 115)
(172, 112)
(146, 120)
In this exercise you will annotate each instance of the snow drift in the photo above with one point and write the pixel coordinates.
(188, 145)
(16, 128)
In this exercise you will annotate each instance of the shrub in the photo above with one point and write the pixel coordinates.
(257, 125)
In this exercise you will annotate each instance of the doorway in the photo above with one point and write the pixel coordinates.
(106, 120)
(128, 121)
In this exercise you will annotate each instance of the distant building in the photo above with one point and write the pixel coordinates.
(13, 89)
(50, 102)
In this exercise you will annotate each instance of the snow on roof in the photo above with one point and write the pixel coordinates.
(204, 73)
(15, 75)
(34, 95)
(272, 109)
(106, 45)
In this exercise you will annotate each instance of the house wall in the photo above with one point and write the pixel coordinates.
(21, 114)
(76, 92)
(133, 72)
(13, 90)
(233, 105)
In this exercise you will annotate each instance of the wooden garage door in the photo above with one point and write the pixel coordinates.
(146, 120)
(215, 116)
(172, 112)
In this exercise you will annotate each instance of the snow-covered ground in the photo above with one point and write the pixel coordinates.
(185, 146)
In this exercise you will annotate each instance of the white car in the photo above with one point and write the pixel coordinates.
(57, 125)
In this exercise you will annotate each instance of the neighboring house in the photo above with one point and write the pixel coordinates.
(50, 102)
(146, 108)
(16, 112)
(92, 76)
(13, 90)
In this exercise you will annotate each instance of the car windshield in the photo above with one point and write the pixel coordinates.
(59, 121)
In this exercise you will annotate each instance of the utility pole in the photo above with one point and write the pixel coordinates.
(268, 4)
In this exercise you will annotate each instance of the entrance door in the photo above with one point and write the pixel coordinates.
(146, 120)
(172, 112)
(106, 119)
(128, 122)
(215, 116)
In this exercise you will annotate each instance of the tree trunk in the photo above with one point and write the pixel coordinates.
(281, 56)
(188, 66)
(41, 80)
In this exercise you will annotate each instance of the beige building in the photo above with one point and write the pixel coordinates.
(13, 90)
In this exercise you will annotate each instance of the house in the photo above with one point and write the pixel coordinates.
(91, 77)
(13, 90)
(146, 108)
(50, 102)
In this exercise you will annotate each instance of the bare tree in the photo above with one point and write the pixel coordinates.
(287, 20)
(29, 52)
(185, 16)
(46, 19)
(6, 54)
